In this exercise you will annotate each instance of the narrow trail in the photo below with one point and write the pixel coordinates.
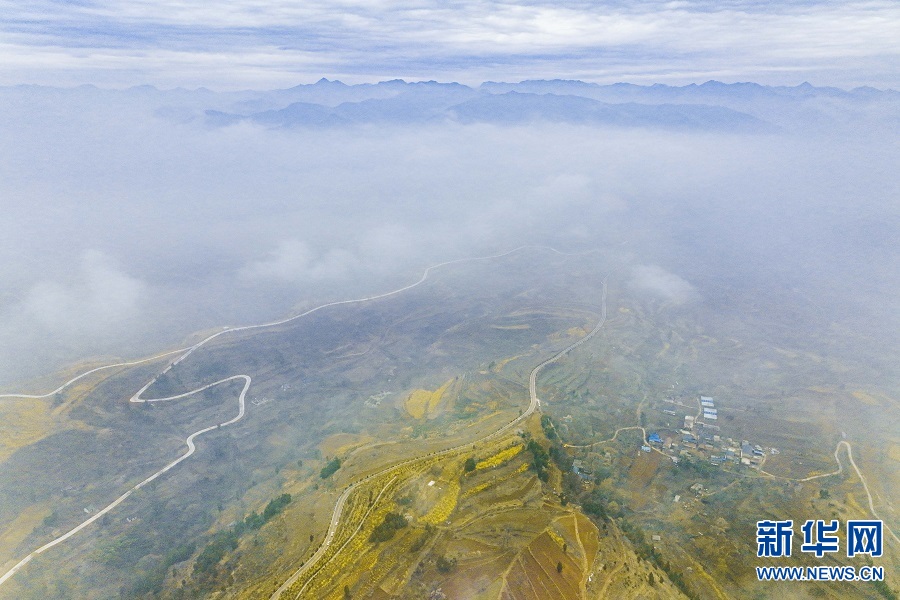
(585, 567)
(644, 441)
(612, 439)
(184, 353)
(601, 594)
(840, 470)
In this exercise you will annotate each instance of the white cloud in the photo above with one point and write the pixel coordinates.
(85, 311)
(662, 284)
(99, 298)
(292, 261)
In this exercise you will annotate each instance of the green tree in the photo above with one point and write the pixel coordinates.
(276, 506)
(469, 465)
(445, 565)
(328, 470)
(387, 528)
(51, 520)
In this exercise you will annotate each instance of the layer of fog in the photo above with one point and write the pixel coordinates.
(125, 231)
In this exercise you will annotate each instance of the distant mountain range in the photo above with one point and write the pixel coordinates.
(711, 106)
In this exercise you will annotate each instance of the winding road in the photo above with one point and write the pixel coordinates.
(91, 372)
(184, 353)
(191, 448)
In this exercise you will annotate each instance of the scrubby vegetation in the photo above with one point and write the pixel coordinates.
(540, 459)
(422, 539)
(549, 429)
(882, 588)
(385, 530)
(445, 565)
(205, 566)
(499, 458)
(331, 468)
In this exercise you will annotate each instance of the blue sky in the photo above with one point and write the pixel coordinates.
(262, 44)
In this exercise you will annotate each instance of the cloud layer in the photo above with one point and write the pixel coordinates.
(132, 222)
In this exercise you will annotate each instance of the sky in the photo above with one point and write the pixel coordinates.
(263, 45)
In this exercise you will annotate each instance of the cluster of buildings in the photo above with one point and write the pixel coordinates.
(700, 437)
(699, 433)
(579, 469)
